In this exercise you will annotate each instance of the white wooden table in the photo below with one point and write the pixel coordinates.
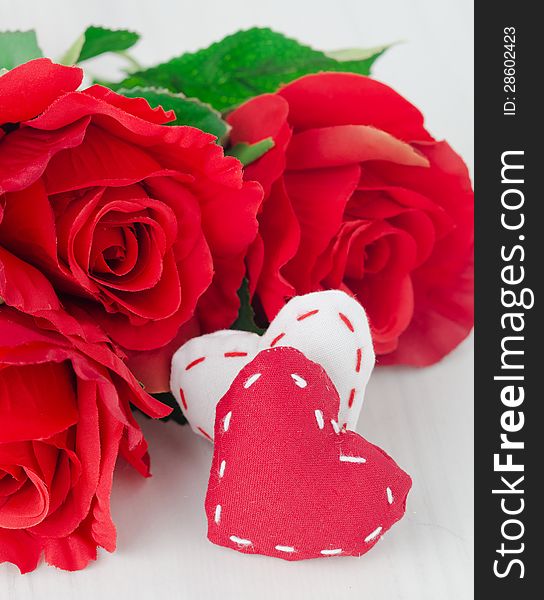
(423, 418)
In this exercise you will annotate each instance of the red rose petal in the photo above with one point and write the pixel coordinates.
(24, 287)
(25, 153)
(28, 224)
(319, 204)
(443, 318)
(329, 99)
(346, 145)
(20, 548)
(77, 505)
(102, 527)
(259, 118)
(27, 90)
(74, 551)
(34, 416)
(280, 235)
(101, 160)
(139, 107)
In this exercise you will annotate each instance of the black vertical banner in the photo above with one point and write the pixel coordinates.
(509, 426)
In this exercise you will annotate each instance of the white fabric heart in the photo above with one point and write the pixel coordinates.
(330, 328)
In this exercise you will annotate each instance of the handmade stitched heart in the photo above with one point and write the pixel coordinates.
(285, 480)
(328, 327)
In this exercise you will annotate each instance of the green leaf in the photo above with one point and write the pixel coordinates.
(99, 40)
(246, 315)
(248, 153)
(166, 398)
(357, 54)
(18, 47)
(241, 66)
(188, 111)
(176, 414)
(71, 56)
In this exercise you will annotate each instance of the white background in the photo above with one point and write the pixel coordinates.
(423, 418)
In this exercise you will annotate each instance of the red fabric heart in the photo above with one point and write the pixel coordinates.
(285, 481)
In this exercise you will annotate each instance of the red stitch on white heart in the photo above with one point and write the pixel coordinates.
(276, 339)
(329, 327)
(183, 400)
(351, 398)
(205, 434)
(195, 362)
(347, 322)
(310, 313)
(359, 358)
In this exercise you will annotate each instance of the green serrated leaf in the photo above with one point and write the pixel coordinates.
(71, 56)
(246, 315)
(18, 47)
(241, 66)
(357, 54)
(99, 40)
(188, 111)
(248, 153)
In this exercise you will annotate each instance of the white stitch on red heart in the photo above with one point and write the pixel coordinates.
(389, 495)
(261, 407)
(285, 548)
(226, 421)
(319, 418)
(217, 516)
(373, 535)
(352, 459)
(335, 426)
(240, 541)
(222, 468)
(251, 380)
(302, 383)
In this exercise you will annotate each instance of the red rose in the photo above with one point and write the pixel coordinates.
(141, 223)
(359, 196)
(64, 419)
